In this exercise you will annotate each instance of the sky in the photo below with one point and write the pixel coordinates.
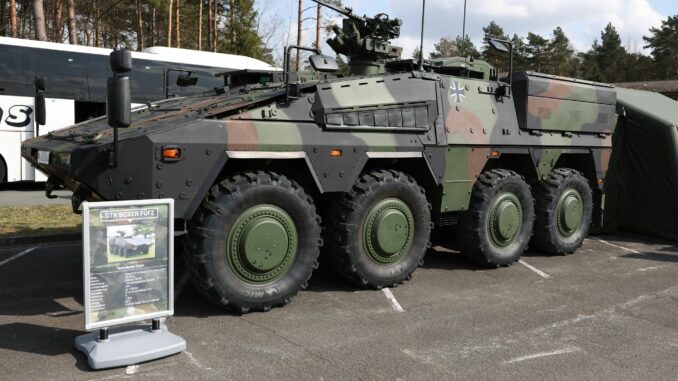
(582, 20)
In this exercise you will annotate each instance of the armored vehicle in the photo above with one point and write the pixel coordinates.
(265, 175)
(130, 246)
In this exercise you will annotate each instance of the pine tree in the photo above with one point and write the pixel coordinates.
(664, 44)
(497, 59)
(448, 47)
(519, 53)
(537, 50)
(610, 55)
(559, 54)
(241, 37)
(12, 18)
(39, 18)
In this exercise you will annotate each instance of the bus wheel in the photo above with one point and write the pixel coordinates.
(380, 230)
(3, 170)
(254, 242)
(497, 227)
(564, 209)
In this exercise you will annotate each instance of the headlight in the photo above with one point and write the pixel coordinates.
(62, 160)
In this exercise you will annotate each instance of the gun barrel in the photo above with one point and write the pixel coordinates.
(348, 12)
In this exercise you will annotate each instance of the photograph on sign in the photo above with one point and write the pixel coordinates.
(128, 259)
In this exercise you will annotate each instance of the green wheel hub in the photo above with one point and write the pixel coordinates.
(505, 219)
(570, 212)
(388, 231)
(262, 244)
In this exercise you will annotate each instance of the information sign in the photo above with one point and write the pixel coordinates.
(128, 259)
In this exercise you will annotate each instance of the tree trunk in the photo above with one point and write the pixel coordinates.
(56, 27)
(12, 17)
(39, 18)
(318, 17)
(233, 32)
(178, 22)
(72, 27)
(299, 20)
(200, 26)
(3, 5)
(209, 25)
(214, 26)
(97, 24)
(153, 30)
(140, 28)
(169, 24)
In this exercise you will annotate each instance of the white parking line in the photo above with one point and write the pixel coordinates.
(536, 270)
(17, 256)
(394, 302)
(544, 354)
(617, 246)
(181, 284)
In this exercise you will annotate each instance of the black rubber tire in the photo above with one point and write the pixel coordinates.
(3, 170)
(346, 251)
(547, 193)
(472, 232)
(206, 242)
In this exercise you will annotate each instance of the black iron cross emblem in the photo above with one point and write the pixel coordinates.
(457, 91)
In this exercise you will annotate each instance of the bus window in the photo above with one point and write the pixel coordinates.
(13, 68)
(66, 72)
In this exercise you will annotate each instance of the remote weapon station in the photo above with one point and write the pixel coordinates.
(270, 169)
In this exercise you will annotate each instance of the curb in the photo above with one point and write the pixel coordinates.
(17, 241)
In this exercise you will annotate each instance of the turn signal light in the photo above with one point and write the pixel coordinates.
(171, 153)
(335, 153)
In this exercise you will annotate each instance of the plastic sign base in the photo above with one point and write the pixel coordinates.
(128, 346)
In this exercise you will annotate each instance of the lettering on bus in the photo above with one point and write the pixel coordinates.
(17, 116)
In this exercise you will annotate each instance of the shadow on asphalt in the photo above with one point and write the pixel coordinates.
(656, 257)
(46, 341)
(22, 186)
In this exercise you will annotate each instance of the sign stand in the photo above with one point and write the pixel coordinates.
(129, 345)
(128, 274)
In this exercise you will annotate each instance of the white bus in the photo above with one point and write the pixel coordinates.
(76, 87)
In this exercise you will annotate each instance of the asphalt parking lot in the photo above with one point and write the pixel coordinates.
(25, 194)
(608, 312)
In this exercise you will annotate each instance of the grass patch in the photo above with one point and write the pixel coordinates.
(34, 221)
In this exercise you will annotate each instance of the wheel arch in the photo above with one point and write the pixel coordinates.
(308, 174)
(417, 168)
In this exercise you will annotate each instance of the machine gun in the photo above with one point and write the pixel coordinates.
(365, 40)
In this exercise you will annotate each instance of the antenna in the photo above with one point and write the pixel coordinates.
(421, 47)
(463, 34)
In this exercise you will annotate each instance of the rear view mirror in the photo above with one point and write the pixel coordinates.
(121, 61)
(186, 81)
(40, 109)
(40, 84)
(498, 45)
(119, 96)
(323, 64)
(119, 102)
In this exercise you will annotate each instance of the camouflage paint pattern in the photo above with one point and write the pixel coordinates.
(456, 125)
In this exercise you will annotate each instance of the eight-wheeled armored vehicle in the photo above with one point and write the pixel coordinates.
(130, 246)
(265, 175)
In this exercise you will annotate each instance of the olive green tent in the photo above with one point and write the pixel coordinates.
(642, 182)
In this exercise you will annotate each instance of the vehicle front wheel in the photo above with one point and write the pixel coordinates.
(496, 229)
(254, 242)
